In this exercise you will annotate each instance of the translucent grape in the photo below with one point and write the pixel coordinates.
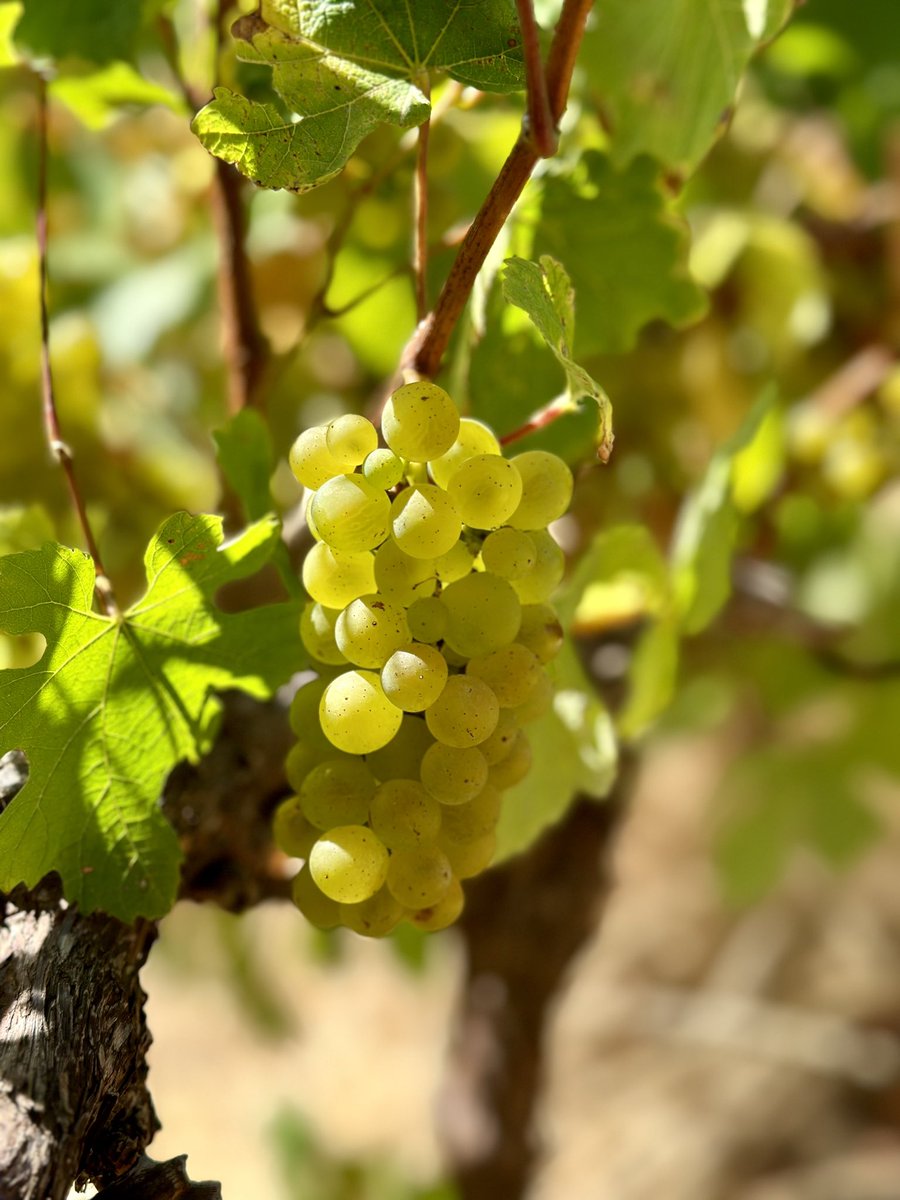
(427, 619)
(350, 438)
(546, 489)
(508, 552)
(444, 913)
(383, 469)
(355, 714)
(414, 676)
(398, 575)
(469, 858)
(334, 577)
(337, 792)
(457, 562)
(317, 634)
(370, 629)
(419, 878)
(511, 672)
(349, 864)
(351, 514)
(496, 747)
(486, 489)
(540, 582)
(473, 438)
(291, 831)
(376, 917)
(468, 822)
(318, 909)
(305, 755)
(424, 521)
(465, 713)
(538, 702)
(540, 630)
(403, 814)
(483, 614)
(453, 775)
(401, 757)
(310, 459)
(513, 768)
(420, 421)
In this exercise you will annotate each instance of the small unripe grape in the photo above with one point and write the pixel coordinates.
(511, 672)
(419, 878)
(483, 614)
(337, 792)
(376, 917)
(291, 831)
(540, 630)
(427, 619)
(398, 575)
(465, 713)
(444, 913)
(509, 552)
(317, 634)
(486, 489)
(470, 858)
(318, 909)
(383, 469)
(424, 521)
(403, 814)
(370, 629)
(513, 768)
(540, 582)
(473, 438)
(355, 714)
(334, 578)
(453, 775)
(414, 676)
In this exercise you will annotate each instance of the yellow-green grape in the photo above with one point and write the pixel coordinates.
(509, 552)
(356, 715)
(376, 917)
(351, 514)
(305, 755)
(349, 864)
(414, 676)
(468, 859)
(291, 831)
(383, 469)
(334, 577)
(317, 634)
(496, 747)
(401, 757)
(483, 614)
(420, 421)
(468, 822)
(473, 438)
(444, 913)
(310, 459)
(304, 711)
(513, 768)
(539, 584)
(540, 630)
(453, 775)
(337, 792)
(546, 489)
(427, 619)
(538, 702)
(419, 878)
(465, 713)
(511, 672)
(318, 909)
(350, 438)
(486, 489)
(403, 814)
(370, 629)
(457, 562)
(424, 521)
(398, 575)
(853, 468)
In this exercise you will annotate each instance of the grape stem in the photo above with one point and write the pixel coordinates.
(541, 124)
(58, 447)
(539, 420)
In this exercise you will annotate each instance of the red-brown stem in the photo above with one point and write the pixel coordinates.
(58, 447)
(540, 121)
(429, 342)
(539, 420)
(420, 202)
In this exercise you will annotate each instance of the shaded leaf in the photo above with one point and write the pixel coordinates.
(94, 30)
(247, 460)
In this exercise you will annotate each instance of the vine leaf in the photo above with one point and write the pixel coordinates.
(92, 30)
(115, 703)
(345, 69)
(544, 291)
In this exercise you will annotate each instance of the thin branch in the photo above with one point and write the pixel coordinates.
(420, 202)
(58, 447)
(540, 120)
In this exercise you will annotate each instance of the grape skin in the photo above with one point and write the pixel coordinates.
(349, 864)
(420, 421)
(355, 714)
(350, 513)
(465, 713)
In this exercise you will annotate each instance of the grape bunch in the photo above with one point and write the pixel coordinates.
(429, 617)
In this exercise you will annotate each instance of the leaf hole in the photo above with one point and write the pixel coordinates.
(19, 651)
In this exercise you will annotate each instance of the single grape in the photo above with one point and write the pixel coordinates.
(305, 755)
(538, 702)
(376, 917)
(370, 629)
(457, 562)
(414, 676)
(453, 775)
(540, 582)
(401, 577)
(350, 438)
(509, 552)
(310, 459)
(420, 421)
(420, 877)
(334, 578)
(424, 521)
(304, 711)
(468, 859)
(291, 831)
(546, 489)
(444, 913)
(473, 438)
(318, 908)
(468, 822)
(349, 863)
(540, 630)
(383, 469)
(351, 514)
(486, 490)
(337, 792)
(465, 713)
(483, 614)
(355, 714)
(496, 747)
(401, 757)
(511, 672)
(317, 634)
(427, 619)
(403, 814)
(513, 768)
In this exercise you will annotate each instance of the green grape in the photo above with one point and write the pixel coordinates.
(291, 831)
(350, 438)
(483, 614)
(334, 578)
(473, 438)
(403, 814)
(305, 755)
(401, 757)
(496, 747)
(541, 631)
(486, 489)
(427, 619)
(538, 702)
(304, 711)
(457, 562)
(508, 552)
(318, 908)
(420, 421)
(355, 714)
(468, 822)
(337, 792)
(511, 672)
(546, 489)
(370, 629)
(419, 878)
(539, 583)
(376, 917)
(398, 575)
(383, 469)
(351, 514)
(414, 676)
(317, 634)
(513, 768)
(445, 912)
(424, 521)
(310, 459)
(468, 859)
(349, 863)
(453, 775)
(465, 713)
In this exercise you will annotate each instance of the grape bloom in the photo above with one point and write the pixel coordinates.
(429, 619)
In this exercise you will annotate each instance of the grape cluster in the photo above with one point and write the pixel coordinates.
(429, 585)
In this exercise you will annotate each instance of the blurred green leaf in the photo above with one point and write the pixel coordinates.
(247, 460)
(98, 97)
(93, 30)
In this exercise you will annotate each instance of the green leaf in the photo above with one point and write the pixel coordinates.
(93, 30)
(98, 97)
(115, 703)
(544, 291)
(247, 460)
(666, 74)
(624, 247)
